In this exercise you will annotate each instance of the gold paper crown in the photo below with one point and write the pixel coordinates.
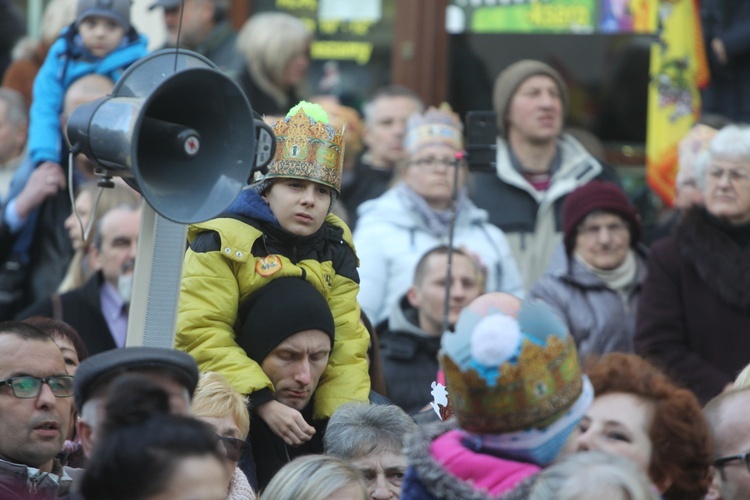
(530, 393)
(308, 149)
(435, 126)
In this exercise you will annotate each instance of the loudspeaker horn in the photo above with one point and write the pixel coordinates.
(177, 130)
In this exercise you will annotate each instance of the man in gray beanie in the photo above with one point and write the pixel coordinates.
(537, 164)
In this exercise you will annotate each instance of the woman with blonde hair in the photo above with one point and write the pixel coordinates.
(276, 49)
(224, 409)
(316, 477)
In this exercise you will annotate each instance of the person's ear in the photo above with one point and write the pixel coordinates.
(714, 487)
(367, 136)
(413, 297)
(664, 484)
(86, 434)
(93, 256)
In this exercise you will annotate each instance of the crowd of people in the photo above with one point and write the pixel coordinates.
(370, 318)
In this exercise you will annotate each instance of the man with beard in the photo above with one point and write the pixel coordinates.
(98, 310)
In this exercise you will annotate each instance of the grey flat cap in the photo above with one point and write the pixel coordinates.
(101, 368)
(166, 4)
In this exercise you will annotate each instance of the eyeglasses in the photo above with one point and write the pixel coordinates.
(745, 457)
(735, 176)
(29, 387)
(234, 447)
(432, 162)
(616, 229)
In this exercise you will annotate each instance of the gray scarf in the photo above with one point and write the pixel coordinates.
(437, 222)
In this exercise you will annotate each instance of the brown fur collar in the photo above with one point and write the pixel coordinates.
(721, 263)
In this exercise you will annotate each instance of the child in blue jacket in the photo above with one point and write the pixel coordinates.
(100, 40)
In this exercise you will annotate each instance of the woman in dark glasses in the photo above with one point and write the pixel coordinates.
(217, 404)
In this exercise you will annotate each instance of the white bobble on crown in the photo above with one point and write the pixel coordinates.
(495, 339)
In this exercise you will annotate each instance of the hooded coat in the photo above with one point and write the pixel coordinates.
(442, 468)
(67, 61)
(225, 264)
(391, 238)
(409, 355)
(531, 219)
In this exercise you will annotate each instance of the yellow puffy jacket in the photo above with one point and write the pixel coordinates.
(220, 273)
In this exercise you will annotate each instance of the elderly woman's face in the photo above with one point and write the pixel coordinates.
(430, 173)
(383, 472)
(603, 240)
(225, 427)
(727, 194)
(618, 423)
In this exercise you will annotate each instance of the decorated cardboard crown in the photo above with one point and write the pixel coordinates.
(307, 147)
(506, 375)
(435, 126)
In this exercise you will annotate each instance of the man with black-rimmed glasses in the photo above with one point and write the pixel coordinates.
(727, 416)
(35, 404)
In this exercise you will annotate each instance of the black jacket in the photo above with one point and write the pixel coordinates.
(409, 357)
(81, 309)
(270, 453)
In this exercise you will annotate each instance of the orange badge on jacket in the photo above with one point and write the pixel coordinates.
(269, 265)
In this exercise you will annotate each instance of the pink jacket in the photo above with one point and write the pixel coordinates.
(485, 472)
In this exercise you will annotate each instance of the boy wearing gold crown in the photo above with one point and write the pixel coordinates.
(279, 228)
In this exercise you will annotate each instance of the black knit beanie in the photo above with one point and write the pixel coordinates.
(277, 311)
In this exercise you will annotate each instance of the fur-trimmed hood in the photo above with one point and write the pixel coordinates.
(427, 478)
(720, 261)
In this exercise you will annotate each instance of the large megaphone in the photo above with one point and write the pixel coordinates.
(176, 129)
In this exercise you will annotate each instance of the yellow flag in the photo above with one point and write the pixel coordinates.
(678, 69)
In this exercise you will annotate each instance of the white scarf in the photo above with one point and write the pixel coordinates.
(619, 278)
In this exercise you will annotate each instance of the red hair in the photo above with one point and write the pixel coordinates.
(681, 443)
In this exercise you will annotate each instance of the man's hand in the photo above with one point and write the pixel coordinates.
(285, 422)
(718, 47)
(46, 180)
